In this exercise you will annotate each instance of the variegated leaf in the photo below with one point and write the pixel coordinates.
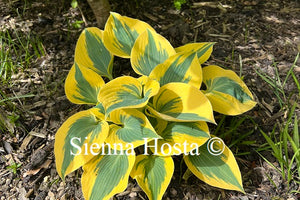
(203, 50)
(149, 50)
(91, 53)
(181, 67)
(226, 91)
(181, 138)
(217, 170)
(120, 33)
(76, 136)
(106, 175)
(82, 85)
(129, 129)
(181, 102)
(158, 124)
(127, 92)
(153, 174)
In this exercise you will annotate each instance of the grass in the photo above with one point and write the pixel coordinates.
(178, 3)
(283, 140)
(9, 117)
(14, 167)
(277, 85)
(17, 52)
(285, 148)
(236, 131)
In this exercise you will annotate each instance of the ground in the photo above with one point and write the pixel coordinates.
(252, 38)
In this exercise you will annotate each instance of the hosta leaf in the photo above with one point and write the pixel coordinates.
(158, 124)
(181, 102)
(106, 175)
(226, 91)
(82, 85)
(120, 33)
(127, 92)
(181, 137)
(217, 170)
(153, 174)
(181, 67)
(203, 50)
(91, 53)
(130, 126)
(99, 109)
(149, 50)
(73, 138)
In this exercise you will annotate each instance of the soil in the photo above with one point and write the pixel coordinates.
(249, 35)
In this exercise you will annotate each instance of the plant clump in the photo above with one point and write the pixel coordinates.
(136, 125)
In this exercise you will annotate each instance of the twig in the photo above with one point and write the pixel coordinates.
(83, 17)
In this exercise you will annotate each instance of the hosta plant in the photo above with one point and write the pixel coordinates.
(136, 124)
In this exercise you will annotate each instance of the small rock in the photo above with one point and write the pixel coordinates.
(62, 184)
(51, 195)
(132, 194)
